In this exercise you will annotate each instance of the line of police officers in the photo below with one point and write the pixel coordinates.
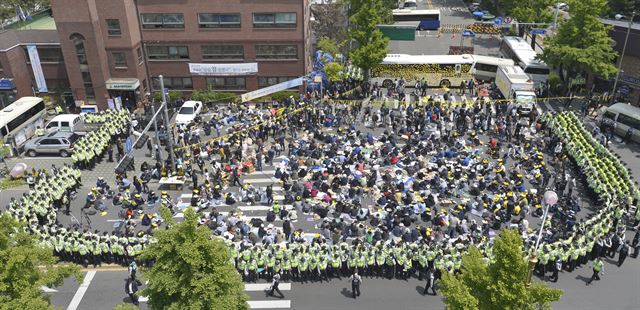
(94, 143)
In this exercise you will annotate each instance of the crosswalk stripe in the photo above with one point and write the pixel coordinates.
(261, 208)
(77, 298)
(257, 287)
(269, 304)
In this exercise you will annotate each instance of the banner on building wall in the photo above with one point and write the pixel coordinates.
(223, 69)
(272, 89)
(37, 68)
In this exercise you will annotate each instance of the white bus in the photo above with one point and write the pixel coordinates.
(19, 120)
(436, 70)
(521, 52)
(486, 67)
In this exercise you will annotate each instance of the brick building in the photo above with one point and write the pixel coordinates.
(630, 75)
(105, 44)
(17, 77)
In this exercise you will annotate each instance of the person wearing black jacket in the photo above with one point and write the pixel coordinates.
(131, 288)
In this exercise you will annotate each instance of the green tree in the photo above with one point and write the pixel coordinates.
(500, 285)
(532, 11)
(25, 267)
(329, 46)
(372, 45)
(624, 7)
(582, 42)
(334, 71)
(192, 270)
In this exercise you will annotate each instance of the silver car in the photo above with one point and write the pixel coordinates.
(53, 143)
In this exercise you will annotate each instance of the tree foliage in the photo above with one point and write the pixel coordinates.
(334, 71)
(125, 306)
(330, 21)
(20, 276)
(582, 42)
(500, 285)
(192, 270)
(330, 46)
(624, 7)
(372, 45)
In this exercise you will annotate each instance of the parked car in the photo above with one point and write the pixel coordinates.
(188, 112)
(53, 143)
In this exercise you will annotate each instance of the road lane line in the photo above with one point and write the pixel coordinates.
(269, 304)
(77, 298)
(257, 287)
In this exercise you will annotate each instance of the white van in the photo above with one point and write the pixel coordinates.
(65, 123)
(624, 116)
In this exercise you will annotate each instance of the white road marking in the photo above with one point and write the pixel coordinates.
(269, 304)
(77, 298)
(256, 287)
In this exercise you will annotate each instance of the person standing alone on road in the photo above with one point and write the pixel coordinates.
(274, 286)
(131, 288)
(598, 267)
(355, 285)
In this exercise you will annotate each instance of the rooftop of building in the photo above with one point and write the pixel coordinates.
(39, 21)
(622, 23)
(12, 38)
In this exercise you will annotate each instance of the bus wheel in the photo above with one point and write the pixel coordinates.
(387, 83)
(445, 84)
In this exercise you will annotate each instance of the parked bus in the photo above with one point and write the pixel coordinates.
(521, 52)
(436, 70)
(486, 67)
(429, 19)
(19, 120)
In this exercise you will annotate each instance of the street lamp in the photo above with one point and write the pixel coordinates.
(550, 199)
(624, 48)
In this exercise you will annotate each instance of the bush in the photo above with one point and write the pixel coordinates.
(214, 96)
(281, 96)
(555, 83)
(173, 96)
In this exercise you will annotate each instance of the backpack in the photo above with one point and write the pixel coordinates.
(271, 216)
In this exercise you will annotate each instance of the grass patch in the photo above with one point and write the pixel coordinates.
(9, 183)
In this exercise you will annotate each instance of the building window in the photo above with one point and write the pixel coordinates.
(264, 81)
(226, 83)
(47, 54)
(174, 82)
(139, 53)
(167, 20)
(113, 27)
(211, 20)
(276, 52)
(78, 43)
(119, 60)
(167, 52)
(274, 20)
(222, 52)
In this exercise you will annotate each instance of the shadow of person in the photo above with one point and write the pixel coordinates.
(420, 289)
(583, 278)
(346, 293)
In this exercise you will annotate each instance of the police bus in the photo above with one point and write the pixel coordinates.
(19, 120)
(486, 67)
(436, 70)
(428, 19)
(521, 52)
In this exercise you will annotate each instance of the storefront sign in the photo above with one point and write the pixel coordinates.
(223, 69)
(122, 84)
(6, 84)
(271, 89)
(37, 68)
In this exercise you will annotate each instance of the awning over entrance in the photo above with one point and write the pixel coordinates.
(122, 84)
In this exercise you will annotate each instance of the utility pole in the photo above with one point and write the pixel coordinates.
(555, 19)
(624, 48)
(166, 120)
(155, 128)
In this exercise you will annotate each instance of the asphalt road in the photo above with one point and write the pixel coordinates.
(617, 289)
(453, 15)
